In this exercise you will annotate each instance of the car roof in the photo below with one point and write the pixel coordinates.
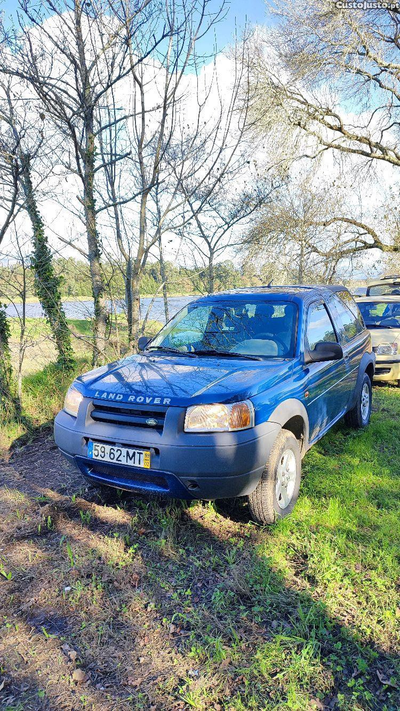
(293, 292)
(395, 278)
(390, 298)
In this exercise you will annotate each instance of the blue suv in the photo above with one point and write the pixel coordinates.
(226, 399)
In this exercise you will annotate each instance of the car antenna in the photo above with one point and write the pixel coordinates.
(270, 283)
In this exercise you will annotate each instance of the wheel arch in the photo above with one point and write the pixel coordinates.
(292, 415)
(367, 365)
(370, 370)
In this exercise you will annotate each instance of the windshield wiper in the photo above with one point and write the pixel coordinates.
(193, 354)
(165, 349)
(226, 354)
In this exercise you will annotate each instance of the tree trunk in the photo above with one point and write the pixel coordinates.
(47, 284)
(10, 407)
(135, 289)
(22, 344)
(136, 273)
(301, 263)
(88, 157)
(211, 273)
(126, 255)
(129, 299)
(163, 273)
(94, 252)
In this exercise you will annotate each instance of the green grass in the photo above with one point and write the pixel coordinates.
(43, 394)
(44, 385)
(171, 606)
(38, 329)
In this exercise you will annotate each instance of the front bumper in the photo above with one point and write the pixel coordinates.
(185, 466)
(386, 369)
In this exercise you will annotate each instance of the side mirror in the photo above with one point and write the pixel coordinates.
(324, 351)
(143, 341)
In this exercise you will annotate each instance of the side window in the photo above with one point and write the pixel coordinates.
(351, 323)
(319, 326)
(348, 301)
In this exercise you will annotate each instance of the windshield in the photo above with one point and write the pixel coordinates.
(255, 328)
(380, 314)
(384, 290)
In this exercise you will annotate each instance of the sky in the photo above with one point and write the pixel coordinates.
(238, 13)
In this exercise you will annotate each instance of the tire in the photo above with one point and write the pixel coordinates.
(360, 415)
(271, 501)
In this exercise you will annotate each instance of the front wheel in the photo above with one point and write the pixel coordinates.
(360, 415)
(278, 489)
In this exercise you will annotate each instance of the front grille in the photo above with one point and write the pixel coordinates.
(129, 416)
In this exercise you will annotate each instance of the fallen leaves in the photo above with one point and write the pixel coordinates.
(225, 663)
(385, 680)
(135, 682)
(79, 676)
(72, 654)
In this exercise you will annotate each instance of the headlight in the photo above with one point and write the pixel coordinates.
(72, 401)
(386, 349)
(220, 418)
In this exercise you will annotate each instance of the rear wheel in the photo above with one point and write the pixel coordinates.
(360, 415)
(278, 489)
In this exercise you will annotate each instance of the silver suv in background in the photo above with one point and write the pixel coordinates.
(387, 285)
(381, 315)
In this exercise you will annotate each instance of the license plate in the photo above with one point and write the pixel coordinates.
(119, 455)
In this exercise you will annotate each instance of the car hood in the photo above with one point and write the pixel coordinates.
(180, 380)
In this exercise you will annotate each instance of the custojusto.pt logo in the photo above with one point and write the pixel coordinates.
(366, 5)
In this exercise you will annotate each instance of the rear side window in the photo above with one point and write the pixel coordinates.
(319, 326)
(349, 316)
(348, 301)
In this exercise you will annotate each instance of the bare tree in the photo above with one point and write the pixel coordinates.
(220, 216)
(9, 179)
(296, 231)
(9, 176)
(14, 287)
(186, 133)
(25, 137)
(71, 59)
(327, 79)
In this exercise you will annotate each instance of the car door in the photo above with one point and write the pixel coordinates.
(325, 396)
(353, 336)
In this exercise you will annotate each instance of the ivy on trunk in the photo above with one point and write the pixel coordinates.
(47, 283)
(10, 407)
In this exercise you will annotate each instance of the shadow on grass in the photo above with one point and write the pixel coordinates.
(169, 606)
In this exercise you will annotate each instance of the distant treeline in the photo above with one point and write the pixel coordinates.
(75, 279)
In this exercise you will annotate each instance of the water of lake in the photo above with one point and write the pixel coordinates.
(84, 309)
